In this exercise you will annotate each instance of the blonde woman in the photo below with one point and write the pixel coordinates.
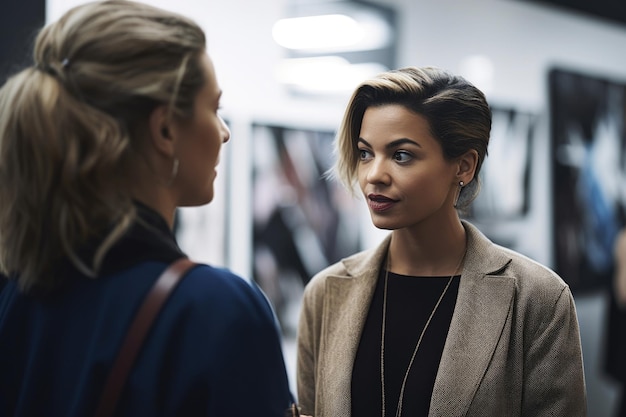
(115, 126)
(437, 320)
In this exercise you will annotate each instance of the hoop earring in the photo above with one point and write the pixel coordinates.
(174, 171)
(458, 194)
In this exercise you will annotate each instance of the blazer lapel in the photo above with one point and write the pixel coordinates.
(347, 300)
(483, 305)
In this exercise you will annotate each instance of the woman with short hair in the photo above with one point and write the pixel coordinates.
(437, 320)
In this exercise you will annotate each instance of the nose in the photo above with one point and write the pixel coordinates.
(225, 131)
(377, 172)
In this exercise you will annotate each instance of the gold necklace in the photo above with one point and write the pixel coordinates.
(417, 345)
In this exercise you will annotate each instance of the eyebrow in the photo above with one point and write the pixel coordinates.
(394, 143)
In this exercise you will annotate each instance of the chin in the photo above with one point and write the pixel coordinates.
(197, 200)
(384, 221)
(384, 225)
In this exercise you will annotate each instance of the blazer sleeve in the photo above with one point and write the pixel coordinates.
(554, 384)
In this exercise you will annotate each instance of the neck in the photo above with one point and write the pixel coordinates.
(436, 253)
(159, 203)
(147, 189)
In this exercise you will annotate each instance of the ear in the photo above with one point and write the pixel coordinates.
(161, 136)
(466, 166)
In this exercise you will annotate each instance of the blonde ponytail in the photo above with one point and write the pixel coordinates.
(68, 131)
(60, 182)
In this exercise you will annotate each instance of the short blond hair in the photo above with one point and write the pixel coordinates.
(457, 112)
(68, 130)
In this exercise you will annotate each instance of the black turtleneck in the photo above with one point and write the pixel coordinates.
(149, 238)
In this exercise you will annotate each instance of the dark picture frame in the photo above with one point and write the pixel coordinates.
(505, 174)
(302, 220)
(588, 144)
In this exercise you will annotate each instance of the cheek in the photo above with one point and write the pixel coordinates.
(210, 139)
(421, 186)
(430, 190)
(361, 176)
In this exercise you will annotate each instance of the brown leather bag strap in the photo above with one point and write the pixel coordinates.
(137, 333)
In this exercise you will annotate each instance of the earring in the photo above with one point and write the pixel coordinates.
(458, 194)
(174, 171)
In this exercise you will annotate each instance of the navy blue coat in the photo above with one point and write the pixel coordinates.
(214, 349)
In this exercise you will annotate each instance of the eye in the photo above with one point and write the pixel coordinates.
(364, 154)
(402, 156)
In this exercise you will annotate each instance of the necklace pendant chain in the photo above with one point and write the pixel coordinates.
(417, 345)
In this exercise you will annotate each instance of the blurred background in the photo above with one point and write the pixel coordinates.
(553, 71)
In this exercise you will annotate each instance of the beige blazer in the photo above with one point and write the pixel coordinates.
(513, 348)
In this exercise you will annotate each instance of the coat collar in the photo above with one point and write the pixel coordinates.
(480, 256)
(483, 305)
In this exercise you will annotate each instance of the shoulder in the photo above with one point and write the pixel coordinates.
(360, 271)
(541, 295)
(205, 288)
(209, 280)
(353, 266)
(219, 295)
(539, 291)
(217, 337)
(531, 275)
(495, 260)
(318, 280)
(315, 288)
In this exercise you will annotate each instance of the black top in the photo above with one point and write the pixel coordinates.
(410, 301)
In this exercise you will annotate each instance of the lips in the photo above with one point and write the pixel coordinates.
(380, 203)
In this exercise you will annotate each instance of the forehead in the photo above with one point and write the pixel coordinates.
(393, 120)
(211, 86)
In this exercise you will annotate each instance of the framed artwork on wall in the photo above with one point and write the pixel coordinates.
(505, 174)
(302, 221)
(588, 143)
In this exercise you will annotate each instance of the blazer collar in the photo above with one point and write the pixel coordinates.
(480, 256)
(483, 305)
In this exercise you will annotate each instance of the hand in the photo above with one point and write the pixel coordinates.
(294, 411)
